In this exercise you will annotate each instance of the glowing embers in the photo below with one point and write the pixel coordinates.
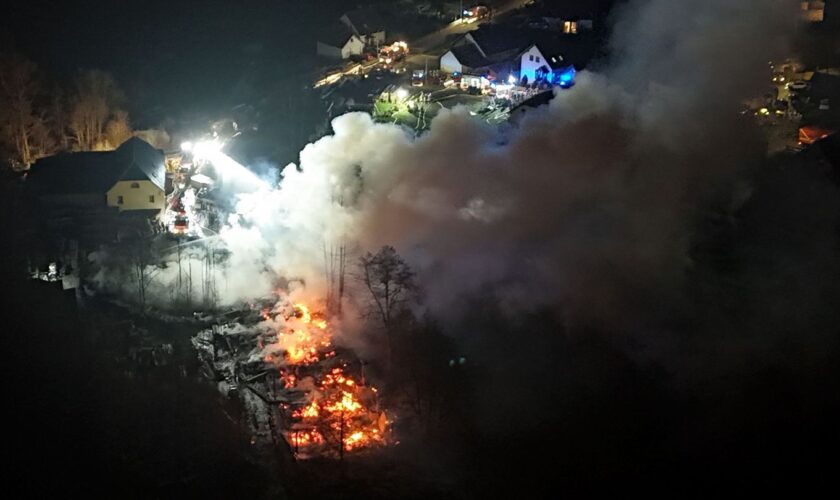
(341, 415)
(336, 412)
(301, 339)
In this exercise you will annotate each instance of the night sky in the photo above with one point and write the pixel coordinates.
(181, 56)
(621, 292)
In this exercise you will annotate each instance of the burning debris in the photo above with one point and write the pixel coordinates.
(296, 385)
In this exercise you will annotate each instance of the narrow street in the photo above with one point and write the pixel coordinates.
(433, 41)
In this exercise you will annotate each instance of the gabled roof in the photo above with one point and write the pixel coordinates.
(494, 40)
(336, 36)
(468, 55)
(366, 20)
(145, 162)
(578, 50)
(84, 173)
(97, 172)
(554, 61)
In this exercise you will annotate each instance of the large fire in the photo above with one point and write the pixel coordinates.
(339, 413)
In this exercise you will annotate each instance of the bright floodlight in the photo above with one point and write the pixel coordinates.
(232, 174)
(401, 93)
(186, 146)
(511, 79)
(206, 149)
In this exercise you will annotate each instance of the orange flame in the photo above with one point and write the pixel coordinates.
(340, 412)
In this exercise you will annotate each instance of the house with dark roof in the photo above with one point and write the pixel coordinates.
(505, 52)
(355, 31)
(340, 42)
(368, 23)
(478, 50)
(465, 58)
(93, 193)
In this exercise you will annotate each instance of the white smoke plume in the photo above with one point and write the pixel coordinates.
(587, 204)
(588, 199)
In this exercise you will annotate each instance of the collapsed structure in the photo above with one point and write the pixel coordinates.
(301, 392)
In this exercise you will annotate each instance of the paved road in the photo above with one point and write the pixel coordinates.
(421, 49)
(434, 40)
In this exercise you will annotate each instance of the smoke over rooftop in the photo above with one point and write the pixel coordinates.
(586, 204)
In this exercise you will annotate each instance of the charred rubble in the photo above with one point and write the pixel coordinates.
(302, 396)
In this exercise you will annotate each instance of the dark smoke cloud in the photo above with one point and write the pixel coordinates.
(588, 205)
(593, 197)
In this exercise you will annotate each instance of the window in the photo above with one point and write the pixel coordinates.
(119, 200)
(530, 57)
(152, 199)
(135, 185)
(538, 58)
(570, 27)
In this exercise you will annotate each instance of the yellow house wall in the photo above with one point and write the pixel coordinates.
(136, 198)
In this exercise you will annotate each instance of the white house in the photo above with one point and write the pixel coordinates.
(449, 63)
(530, 63)
(368, 24)
(466, 58)
(341, 45)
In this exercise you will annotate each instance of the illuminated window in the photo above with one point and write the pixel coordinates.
(119, 200)
(152, 199)
(570, 27)
(135, 185)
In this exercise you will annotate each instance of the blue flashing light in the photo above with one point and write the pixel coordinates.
(567, 77)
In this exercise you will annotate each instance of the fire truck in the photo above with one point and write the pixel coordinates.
(389, 55)
(476, 13)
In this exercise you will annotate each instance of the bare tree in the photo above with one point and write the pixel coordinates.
(118, 130)
(59, 117)
(143, 263)
(23, 127)
(392, 288)
(335, 265)
(96, 102)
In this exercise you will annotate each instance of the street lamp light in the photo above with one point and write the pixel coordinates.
(401, 93)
